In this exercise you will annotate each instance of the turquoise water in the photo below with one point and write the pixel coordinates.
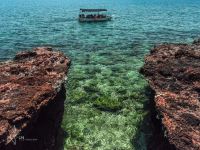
(106, 96)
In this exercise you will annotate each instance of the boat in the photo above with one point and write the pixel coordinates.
(94, 15)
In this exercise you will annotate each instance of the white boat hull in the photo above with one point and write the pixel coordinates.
(95, 19)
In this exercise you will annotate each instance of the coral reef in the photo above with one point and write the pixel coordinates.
(32, 98)
(173, 72)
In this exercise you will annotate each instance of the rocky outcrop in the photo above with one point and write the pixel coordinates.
(173, 72)
(32, 95)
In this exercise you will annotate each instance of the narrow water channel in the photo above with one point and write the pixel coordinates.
(106, 100)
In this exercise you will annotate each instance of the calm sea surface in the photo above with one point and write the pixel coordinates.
(105, 58)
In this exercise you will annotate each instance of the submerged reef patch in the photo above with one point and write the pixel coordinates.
(107, 104)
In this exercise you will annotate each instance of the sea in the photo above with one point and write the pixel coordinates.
(107, 105)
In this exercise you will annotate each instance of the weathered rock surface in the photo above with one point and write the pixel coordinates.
(173, 72)
(32, 98)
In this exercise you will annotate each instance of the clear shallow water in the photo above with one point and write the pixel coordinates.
(105, 58)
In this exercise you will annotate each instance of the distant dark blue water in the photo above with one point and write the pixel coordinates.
(105, 57)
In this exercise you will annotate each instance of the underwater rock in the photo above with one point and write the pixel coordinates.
(32, 95)
(173, 72)
(108, 104)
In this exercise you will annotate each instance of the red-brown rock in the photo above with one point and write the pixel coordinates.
(173, 72)
(28, 85)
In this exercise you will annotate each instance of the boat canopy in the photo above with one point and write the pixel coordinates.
(92, 10)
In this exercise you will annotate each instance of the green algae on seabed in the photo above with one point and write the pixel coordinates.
(105, 104)
(108, 104)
